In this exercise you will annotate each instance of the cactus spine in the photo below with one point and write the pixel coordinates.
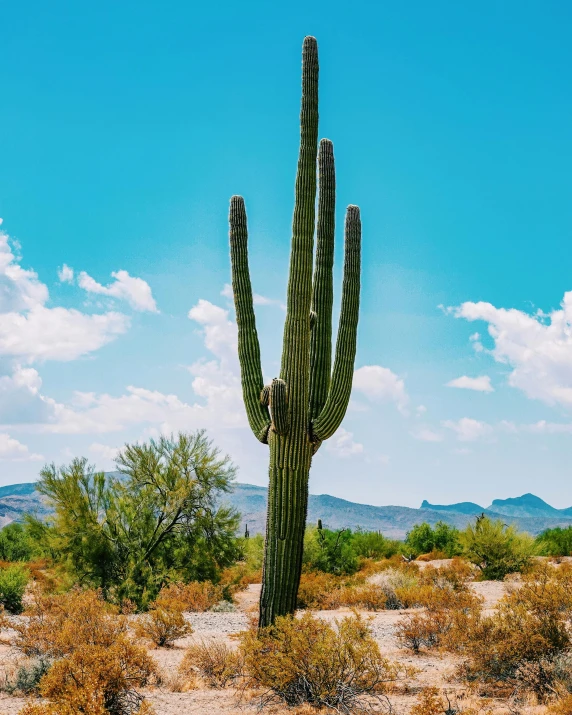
(307, 403)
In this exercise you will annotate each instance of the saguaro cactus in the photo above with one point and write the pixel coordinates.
(307, 403)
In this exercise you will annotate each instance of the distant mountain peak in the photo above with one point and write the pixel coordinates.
(464, 507)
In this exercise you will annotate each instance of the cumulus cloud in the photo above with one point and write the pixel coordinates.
(424, 434)
(468, 430)
(342, 444)
(381, 384)
(12, 450)
(536, 346)
(135, 291)
(479, 384)
(103, 451)
(65, 274)
(30, 331)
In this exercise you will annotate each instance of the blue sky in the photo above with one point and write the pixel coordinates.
(127, 126)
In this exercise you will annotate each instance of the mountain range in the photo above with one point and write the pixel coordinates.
(528, 512)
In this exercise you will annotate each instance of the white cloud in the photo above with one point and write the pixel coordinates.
(479, 384)
(57, 333)
(427, 435)
(220, 333)
(11, 449)
(468, 430)
(29, 331)
(65, 274)
(380, 383)
(537, 347)
(104, 451)
(135, 291)
(342, 444)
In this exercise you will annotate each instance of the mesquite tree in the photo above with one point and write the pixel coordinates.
(306, 404)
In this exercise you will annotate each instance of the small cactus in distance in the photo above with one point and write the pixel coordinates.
(303, 407)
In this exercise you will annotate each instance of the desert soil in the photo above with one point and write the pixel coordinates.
(431, 669)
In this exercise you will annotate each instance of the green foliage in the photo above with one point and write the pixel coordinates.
(423, 539)
(15, 543)
(497, 549)
(329, 551)
(159, 520)
(374, 545)
(555, 542)
(13, 582)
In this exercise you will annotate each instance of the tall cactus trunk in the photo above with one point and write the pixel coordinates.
(307, 403)
(285, 525)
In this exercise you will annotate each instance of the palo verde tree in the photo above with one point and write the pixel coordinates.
(306, 404)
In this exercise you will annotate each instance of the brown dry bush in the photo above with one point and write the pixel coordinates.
(215, 662)
(96, 680)
(517, 648)
(321, 591)
(306, 660)
(447, 617)
(55, 626)
(94, 668)
(563, 706)
(162, 626)
(195, 596)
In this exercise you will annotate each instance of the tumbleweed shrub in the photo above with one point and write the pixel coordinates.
(432, 701)
(457, 574)
(162, 626)
(307, 660)
(214, 662)
(56, 625)
(447, 617)
(193, 597)
(96, 680)
(319, 590)
(518, 647)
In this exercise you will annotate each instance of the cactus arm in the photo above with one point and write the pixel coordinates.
(341, 384)
(248, 346)
(323, 289)
(279, 406)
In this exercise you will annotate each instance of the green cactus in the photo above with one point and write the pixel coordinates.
(307, 403)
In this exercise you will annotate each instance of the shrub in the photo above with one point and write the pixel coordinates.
(13, 582)
(495, 548)
(519, 646)
(373, 545)
(162, 626)
(28, 677)
(56, 625)
(194, 596)
(15, 543)
(423, 539)
(306, 660)
(447, 618)
(555, 542)
(96, 680)
(329, 551)
(216, 663)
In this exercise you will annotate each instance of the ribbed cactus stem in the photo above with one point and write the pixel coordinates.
(341, 384)
(303, 406)
(323, 288)
(248, 346)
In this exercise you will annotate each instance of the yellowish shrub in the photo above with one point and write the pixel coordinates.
(162, 626)
(97, 680)
(307, 660)
(195, 596)
(216, 663)
(446, 621)
(56, 625)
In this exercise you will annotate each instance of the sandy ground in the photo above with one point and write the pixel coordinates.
(432, 669)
